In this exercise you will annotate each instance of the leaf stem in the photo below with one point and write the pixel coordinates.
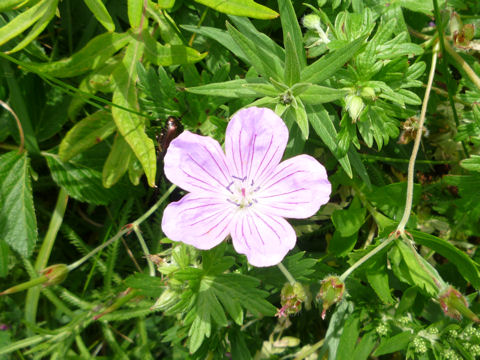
(143, 244)
(416, 145)
(33, 294)
(366, 257)
(287, 274)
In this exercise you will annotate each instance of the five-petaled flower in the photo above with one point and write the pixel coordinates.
(245, 192)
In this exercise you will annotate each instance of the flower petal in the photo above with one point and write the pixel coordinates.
(254, 142)
(264, 239)
(197, 164)
(295, 189)
(198, 220)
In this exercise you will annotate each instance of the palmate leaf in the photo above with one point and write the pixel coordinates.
(232, 292)
(18, 224)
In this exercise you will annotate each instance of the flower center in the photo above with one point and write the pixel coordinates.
(241, 192)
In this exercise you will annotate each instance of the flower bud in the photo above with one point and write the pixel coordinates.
(55, 274)
(331, 292)
(291, 298)
(455, 23)
(455, 305)
(354, 106)
(312, 22)
(368, 93)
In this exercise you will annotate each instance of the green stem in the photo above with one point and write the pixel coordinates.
(374, 158)
(287, 274)
(33, 294)
(125, 230)
(366, 257)
(416, 145)
(143, 244)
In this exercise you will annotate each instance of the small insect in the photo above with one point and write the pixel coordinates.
(173, 127)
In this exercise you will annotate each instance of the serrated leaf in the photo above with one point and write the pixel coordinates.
(130, 125)
(86, 133)
(146, 285)
(101, 14)
(84, 183)
(241, 8)
(349, 221)
(18, 224)
(90, 57)
(327, 65)
(117, 162)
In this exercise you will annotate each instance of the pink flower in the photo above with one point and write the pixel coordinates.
(245, 192)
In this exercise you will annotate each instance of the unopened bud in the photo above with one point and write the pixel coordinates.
(455, 305)
(292, 297)
(312, 22)
(354, 106)
(368, 93)
(55, 274)
(331, 292)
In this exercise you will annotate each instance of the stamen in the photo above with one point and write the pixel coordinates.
(233, 202)
(228, 187)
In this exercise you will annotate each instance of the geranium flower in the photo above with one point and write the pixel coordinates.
(245, 192)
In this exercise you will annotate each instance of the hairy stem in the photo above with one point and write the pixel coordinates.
(416, 145)
(287, 274)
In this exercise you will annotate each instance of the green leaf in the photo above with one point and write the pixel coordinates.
(23, 21)
(301, 117)
(316, 94)
(4, 252)
(146, 285)
(257, 56)
(323, 126)
(86, 133)
(349, 221)
(38, 27)
(328, 65)
(9, 4)
(471, 164)
(341, 245)
(130, 125)
(84, 183)
(101, 14)
(18, 224)
(291, 29)
(396, 343)
(117, 162)
(292, 62)
(239, 88)
(166, 55)
(465, 265)
(135, 9)
(349, 338)
(200, 328)
(241, 8)
(90, 57)
(365, 346)
(377, 277)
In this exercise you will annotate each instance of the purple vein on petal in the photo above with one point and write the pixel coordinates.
(233, 157)
(206, 172)
(242, 223)
(216, 163)
(285, 193)
(199, 207)
(218, 223)
(240, 151)
(258, 231)
(210, 215)
(270, 226)
(252, 153)
(281, 179)
(199, 180)
(261, 162)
